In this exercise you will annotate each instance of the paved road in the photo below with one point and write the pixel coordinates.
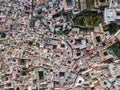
(83, 4)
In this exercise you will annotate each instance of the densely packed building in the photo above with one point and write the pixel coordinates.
(41, 48)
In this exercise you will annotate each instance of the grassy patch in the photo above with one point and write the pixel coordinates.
(90, 3)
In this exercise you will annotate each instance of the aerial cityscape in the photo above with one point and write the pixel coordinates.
(59, 44)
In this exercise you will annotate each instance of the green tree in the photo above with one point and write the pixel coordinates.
(3, 35)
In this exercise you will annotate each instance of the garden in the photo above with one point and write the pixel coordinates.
(89, 18)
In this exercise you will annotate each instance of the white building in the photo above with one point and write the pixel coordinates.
(111, 14)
